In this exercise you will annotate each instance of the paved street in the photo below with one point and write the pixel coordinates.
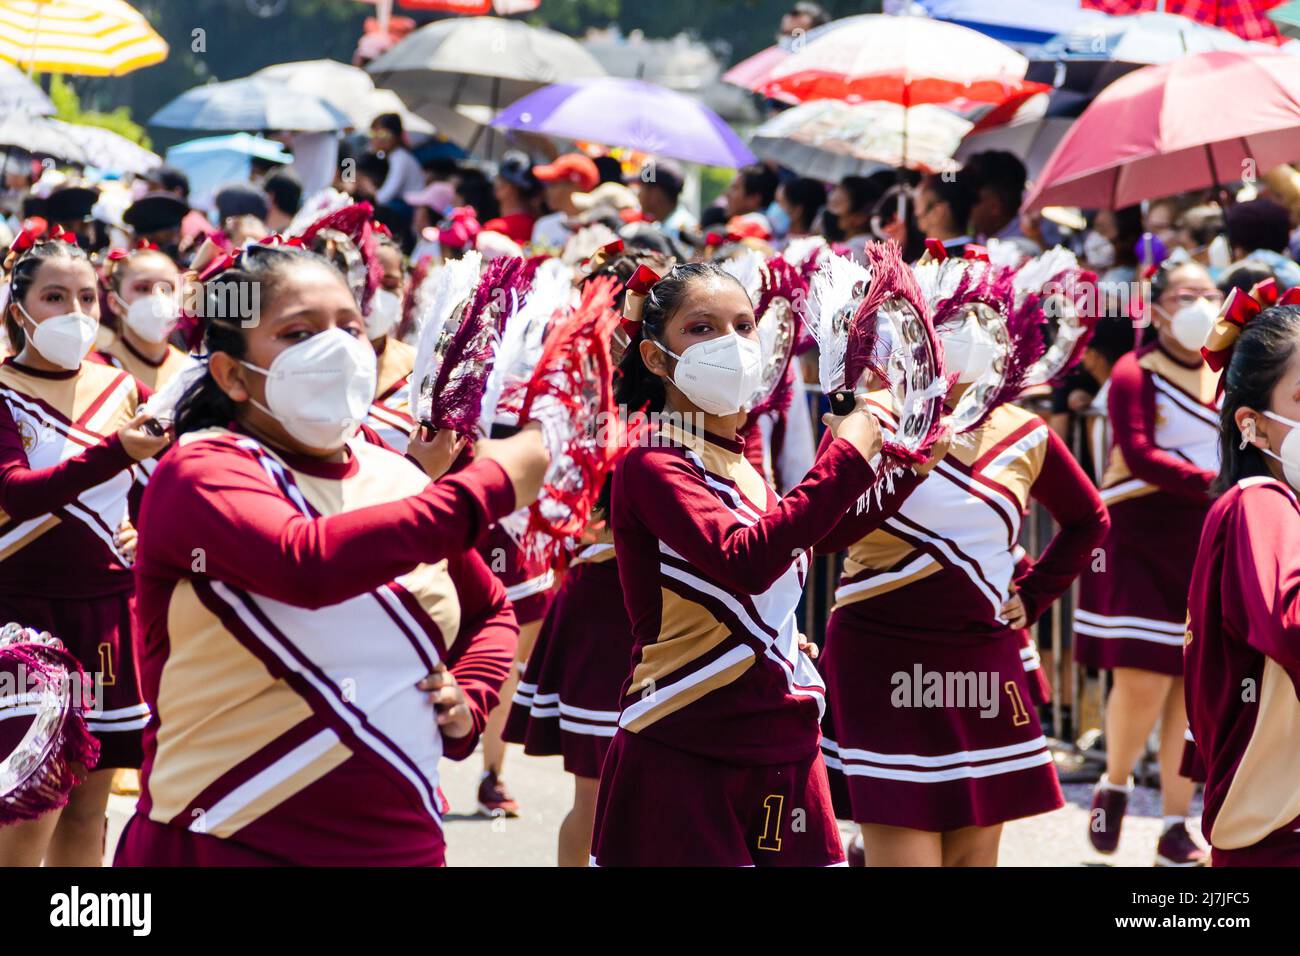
(545, 793)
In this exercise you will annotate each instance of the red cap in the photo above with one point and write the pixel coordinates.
(571, 167)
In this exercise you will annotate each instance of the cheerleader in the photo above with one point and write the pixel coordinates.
(270, 543)
(143, 288)
(715, 759)
(1242, 651)
(69, 435)
(1133, 596)
(931, 734)
(390, 413)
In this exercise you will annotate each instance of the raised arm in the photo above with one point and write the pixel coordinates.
(217, 512)
(676, 505)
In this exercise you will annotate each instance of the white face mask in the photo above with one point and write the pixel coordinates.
(720, 374)
(1288, 453)
(320, 389)
(152, 317)
(1098, 251)
(63, 339)
(1191, 325)
(385, 312)
(968, 350)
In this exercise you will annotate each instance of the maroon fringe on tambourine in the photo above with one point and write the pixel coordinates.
(354, 222)
(892, 278)
(781, 280)
(49, 786)
(1083, 286)
(462, 377)
(563, 374)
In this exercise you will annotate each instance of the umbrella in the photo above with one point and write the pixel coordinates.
(84, 37)
(1016, 22)
(1248, 19)
(829, 139)
(214, 161)
(1197, 122)
(1090, 60)
(252, 103)
(479, 61)
(39, 135)
(1287, 18)
(111, 151)
(632, 113)
(19, 94)
(471, 7)
(909, 60)
(348, 88)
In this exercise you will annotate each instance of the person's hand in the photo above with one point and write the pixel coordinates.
(524, 458)
(808, 647)
(1014, 613)
(937, 452)
(858, 428)
(435, 450)
(1079, 400)
(124, 539)
(141, 443)
(449, 701)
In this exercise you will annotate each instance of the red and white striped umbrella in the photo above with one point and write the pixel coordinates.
(903, 59)
(1248, 19)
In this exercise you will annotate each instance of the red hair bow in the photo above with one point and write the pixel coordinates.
(638, 287)
(33, 229)
(937, 250)
(58, 233)
(1239, 310)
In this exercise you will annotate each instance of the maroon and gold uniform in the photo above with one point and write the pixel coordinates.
(1133, 604)
(287, 609)
(64, 481)
(718, 725)
(1242, 673)
(390, 413)
(930, 722)
(113, 349)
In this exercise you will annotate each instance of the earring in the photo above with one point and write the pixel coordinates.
(1247, 434)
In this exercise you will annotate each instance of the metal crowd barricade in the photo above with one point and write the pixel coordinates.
(1077, 699)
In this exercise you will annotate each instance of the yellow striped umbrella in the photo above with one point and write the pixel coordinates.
(84, 37)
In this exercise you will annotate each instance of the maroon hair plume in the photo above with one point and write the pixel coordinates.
(353, 221)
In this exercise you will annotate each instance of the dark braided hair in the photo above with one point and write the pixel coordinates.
(255, 277)
(1260, 357)
(637, 388)
(22, 277)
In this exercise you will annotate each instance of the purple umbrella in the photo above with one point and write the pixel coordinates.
(631, 113)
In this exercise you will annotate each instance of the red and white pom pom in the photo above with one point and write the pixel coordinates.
(571, 395)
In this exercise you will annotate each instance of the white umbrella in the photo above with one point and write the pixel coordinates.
(19, 94)
(248, 104)
(36, 134)
(830, 139)
(107, 150)
(348, 88)
(478, 61)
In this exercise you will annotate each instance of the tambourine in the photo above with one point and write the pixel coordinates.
(1067, 297)
(782, 290)
(44, 742)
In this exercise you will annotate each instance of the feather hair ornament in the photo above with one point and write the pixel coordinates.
(317, 206)
(440, 304)
(746, 267)
(833, 295)
(347, 232)
(571, 396)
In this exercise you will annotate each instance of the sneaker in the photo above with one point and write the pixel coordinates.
(1177, 848)
(855, 853)
(494, 800)
(1107, 814)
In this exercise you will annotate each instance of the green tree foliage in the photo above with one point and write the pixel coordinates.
(68, 107)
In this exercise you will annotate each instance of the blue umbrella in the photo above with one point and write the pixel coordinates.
(631, 113)
(215, 161)
(1017, 22)
(253, 103)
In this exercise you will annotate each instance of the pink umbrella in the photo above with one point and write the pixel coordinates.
(1197, 122)
(752, 72)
